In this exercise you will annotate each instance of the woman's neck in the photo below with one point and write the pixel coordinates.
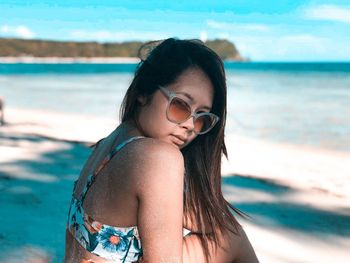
(124, 131)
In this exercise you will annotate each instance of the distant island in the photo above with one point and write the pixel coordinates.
(11, 49)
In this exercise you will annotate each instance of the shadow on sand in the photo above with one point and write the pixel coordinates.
(36, 192)
(281, 212)
(35, 206)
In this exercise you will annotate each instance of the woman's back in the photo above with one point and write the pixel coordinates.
(105, 203)
(113, 191)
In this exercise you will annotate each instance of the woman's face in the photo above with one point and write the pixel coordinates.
(192, 83)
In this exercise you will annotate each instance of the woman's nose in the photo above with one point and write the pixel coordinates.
(188, 124)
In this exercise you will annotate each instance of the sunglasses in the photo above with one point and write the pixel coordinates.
(178, 111)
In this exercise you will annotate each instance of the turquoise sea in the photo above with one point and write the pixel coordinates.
(298, 103)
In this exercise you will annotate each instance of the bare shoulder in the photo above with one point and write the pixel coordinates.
(158, 172)
(234, 247)
(152, 160)
(240, 243)
(149, 150)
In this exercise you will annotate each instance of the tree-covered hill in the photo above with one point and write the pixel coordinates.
(10, 47)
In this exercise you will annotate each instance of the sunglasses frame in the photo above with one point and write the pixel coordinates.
(171, 95)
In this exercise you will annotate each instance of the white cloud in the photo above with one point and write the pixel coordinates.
(24, 32)
(4, 29)
(104, 35)
(17, 31)
(237, 26)
(303, 39)
(224, 35)
(328, 12)
(301, 44)
(203, 35)
(216, 25)
(293, 47)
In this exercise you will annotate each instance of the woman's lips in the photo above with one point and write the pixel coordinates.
(178, 140)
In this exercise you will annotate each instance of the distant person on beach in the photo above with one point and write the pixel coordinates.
(151, 190)
(2, 118)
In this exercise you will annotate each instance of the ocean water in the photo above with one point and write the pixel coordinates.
(298, 103)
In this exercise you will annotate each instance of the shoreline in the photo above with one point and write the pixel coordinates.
(69, 60)
(83, 60)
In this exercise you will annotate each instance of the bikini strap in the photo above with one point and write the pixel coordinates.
(114, 151)
(91, 177)
(122, 144)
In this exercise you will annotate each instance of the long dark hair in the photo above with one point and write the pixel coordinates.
(163, 63)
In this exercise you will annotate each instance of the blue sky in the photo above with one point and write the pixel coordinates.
(282, 30)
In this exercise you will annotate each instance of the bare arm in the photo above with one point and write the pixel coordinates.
(234, 249)
(160, 173)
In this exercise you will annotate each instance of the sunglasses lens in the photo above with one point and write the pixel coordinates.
(203, 123)
(179, 110)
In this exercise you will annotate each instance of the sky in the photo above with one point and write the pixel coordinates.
(284, 30)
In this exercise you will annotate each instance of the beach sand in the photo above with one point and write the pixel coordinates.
(297, 196)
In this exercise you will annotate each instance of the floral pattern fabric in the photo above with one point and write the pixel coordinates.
(119, 244)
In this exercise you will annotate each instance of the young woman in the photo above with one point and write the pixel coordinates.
(151, 190)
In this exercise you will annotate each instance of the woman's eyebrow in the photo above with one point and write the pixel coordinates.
(187, 95)
(192, 99)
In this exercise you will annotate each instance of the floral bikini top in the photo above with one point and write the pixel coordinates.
(119, 244)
